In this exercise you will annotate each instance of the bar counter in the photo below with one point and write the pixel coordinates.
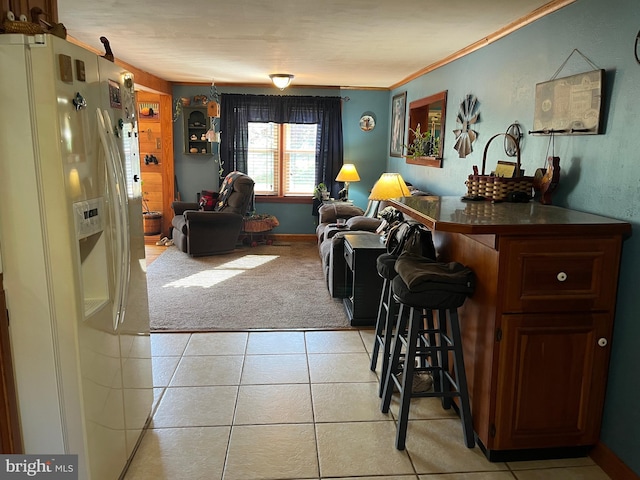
(451, 214)
(537, 329)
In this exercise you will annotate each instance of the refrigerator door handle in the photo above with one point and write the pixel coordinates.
(118, 194)
(118, 168)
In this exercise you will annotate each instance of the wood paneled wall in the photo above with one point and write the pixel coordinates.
(155, 136)
(23, 7)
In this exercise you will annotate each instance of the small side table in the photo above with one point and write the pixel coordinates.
(362, 279)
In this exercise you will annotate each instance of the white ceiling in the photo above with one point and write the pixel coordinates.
(347, 43)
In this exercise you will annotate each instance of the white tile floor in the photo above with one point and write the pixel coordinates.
(301, 405)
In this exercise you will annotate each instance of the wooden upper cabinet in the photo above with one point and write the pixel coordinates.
(23, 7)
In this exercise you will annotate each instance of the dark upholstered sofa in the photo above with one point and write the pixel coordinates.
(201, 232)
(354, 218)
(331, 241)
(331, 238)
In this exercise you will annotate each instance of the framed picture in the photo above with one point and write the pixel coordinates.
(398, 112)
(149, 110)
(114, 94)
(570, 105)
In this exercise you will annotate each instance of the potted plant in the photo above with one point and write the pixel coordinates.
(151, 220)
(422, 145)
(321, 192)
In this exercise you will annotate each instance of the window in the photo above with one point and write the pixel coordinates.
(322, 115)
(282, 157)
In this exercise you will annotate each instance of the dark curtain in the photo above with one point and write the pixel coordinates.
(238, 110)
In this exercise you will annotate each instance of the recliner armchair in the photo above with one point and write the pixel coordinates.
(210, 232)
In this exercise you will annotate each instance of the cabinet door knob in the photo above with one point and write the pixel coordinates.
(562, 277)
(602, 342)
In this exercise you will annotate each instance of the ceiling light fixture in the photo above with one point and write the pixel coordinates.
(281, 80)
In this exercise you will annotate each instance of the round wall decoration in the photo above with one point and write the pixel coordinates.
(516, 132)
(367, 122)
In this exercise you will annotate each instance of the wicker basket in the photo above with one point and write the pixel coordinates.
(152, 223)
(497, 188)
(26, 28)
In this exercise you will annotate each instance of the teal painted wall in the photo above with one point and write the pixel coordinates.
(600, 173)
(367, 150)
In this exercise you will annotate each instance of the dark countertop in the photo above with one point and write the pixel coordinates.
(452, 214)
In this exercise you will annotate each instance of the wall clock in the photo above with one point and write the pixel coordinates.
(367, 122)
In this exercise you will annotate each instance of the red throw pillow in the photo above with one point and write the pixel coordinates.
(207, 200)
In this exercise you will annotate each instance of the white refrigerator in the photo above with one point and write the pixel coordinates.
(72, 252)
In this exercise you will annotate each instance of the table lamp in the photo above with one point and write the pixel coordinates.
(389, 185)
(347, 173)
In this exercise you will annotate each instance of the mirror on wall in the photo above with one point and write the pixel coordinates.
(429, 113)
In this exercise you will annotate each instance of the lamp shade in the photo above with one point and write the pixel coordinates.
(348, 173)
(281, 80)
(389, 185)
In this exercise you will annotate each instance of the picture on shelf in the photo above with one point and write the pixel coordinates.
(149, 110)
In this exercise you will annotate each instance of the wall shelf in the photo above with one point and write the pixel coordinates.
(196, 125)
(426, 161)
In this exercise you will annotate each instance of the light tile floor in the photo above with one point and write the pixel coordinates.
(301, 405)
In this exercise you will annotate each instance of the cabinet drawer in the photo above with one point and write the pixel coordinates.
(563, 274)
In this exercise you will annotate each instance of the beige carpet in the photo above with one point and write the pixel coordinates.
(266, 287)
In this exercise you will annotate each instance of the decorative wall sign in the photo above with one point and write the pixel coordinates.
(398, 112)
(569, 105)
(467, 116)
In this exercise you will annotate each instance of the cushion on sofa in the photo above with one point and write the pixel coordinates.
(207, 200)
(179, 222)
(363, 223)
(330, 212)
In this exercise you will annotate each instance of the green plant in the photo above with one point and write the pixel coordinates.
(145, 204)
(318, 190)
(178, 110)
(422, 145)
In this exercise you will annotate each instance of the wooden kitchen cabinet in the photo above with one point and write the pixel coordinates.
(537, 330)
(551, 380)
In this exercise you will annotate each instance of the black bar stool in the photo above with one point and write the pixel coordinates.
(387, 311)
(431, 287)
